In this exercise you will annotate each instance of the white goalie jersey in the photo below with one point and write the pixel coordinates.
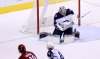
(65, 22)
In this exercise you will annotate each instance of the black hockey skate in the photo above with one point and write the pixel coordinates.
(76, 34)
(61, 38)
(61, 41)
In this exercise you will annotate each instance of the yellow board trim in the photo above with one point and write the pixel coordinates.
(16, 7)
(26, 5)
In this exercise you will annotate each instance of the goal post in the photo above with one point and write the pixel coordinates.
(79, 12)
(37, 6)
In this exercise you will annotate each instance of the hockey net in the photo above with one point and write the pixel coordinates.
(47, 9)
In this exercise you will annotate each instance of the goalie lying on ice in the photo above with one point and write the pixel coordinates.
(63, 21)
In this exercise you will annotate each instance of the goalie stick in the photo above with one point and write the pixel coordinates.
(85, 14)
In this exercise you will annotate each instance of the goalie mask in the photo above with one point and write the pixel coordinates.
(62, 10)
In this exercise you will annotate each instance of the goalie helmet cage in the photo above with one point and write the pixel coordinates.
(38, 17)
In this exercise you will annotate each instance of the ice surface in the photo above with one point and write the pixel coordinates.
(11, 27)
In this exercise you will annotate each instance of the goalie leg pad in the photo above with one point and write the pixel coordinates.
(43, 34)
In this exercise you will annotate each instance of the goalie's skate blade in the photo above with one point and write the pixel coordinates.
(61, 41)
